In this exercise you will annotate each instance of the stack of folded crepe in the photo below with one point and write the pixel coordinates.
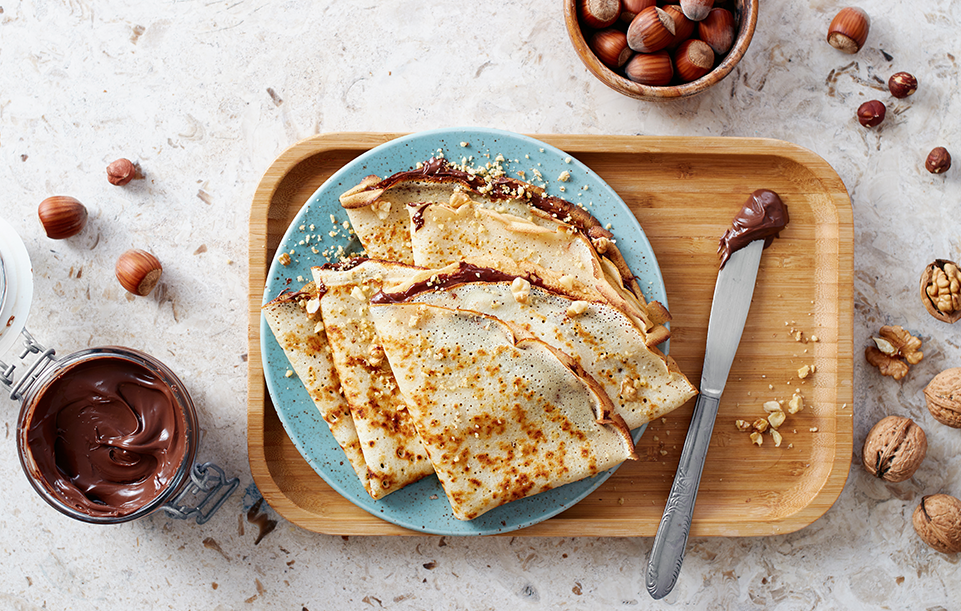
(492, 335)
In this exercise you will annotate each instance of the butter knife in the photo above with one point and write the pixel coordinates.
(732, 300)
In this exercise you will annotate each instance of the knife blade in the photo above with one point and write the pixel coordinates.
(732, 301)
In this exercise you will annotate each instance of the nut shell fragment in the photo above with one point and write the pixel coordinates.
(894, 449)
(937, 520)
(941, 290)
(943, 394)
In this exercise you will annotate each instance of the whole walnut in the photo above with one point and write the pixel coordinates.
(943, 394)
(894, 449)
(937, 520)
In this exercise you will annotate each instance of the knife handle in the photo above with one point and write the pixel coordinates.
(670, 542)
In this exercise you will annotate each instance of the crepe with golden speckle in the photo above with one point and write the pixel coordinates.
(643, 383)
(501, 417)
(302, 338)
(392, 449)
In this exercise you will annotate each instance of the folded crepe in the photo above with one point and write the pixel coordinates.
(501, 417)
(559, 257)
(642, 382)
(301, 336)
(376, 208)
(391, 447)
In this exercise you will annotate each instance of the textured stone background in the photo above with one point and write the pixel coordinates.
(206, 94)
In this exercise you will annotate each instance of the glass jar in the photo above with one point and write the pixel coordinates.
(105, 435)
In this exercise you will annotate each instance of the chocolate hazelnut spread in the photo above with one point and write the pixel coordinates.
(107, 437)
(465, 274)
(763, 216)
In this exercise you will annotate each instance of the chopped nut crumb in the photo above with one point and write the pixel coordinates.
(796, 404)
(521, 290)
(777, 439)
(577, 308)
(757, 439)
(284, 258)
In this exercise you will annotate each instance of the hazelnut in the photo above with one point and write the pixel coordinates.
(871, 113)
(902, 84)
(941, 290)
(599, 13)
(122, 171)
(683, 27)
(630, 8)
(693, 59)
(651, 30)
(610, 46)
(718, 30)
(938, 160)
(62, 216)
(696, 10)
(894, 449)
(138, 271)
(943, 394)
(653, 69)
(937, 520)
(849, 30)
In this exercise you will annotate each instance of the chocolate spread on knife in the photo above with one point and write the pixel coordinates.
(107, 437)
(763, 216)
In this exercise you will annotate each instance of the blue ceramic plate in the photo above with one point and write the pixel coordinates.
(423, 506)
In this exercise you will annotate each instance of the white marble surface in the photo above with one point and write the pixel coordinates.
(184, 88)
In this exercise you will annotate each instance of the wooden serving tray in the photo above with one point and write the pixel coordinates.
(685, 193)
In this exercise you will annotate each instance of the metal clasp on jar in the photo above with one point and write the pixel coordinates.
(30, 346)
(203, 495)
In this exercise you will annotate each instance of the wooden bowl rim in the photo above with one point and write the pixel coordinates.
(749, 10)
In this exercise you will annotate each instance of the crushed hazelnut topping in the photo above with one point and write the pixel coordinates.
(757, 439)
(521, 290)
(577, 308)
(284, 258)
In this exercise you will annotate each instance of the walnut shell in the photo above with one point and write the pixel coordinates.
(894, 449)
(937, 520)
(941, 290)
(943, 394)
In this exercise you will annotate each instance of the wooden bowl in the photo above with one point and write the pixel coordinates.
(745, 12)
